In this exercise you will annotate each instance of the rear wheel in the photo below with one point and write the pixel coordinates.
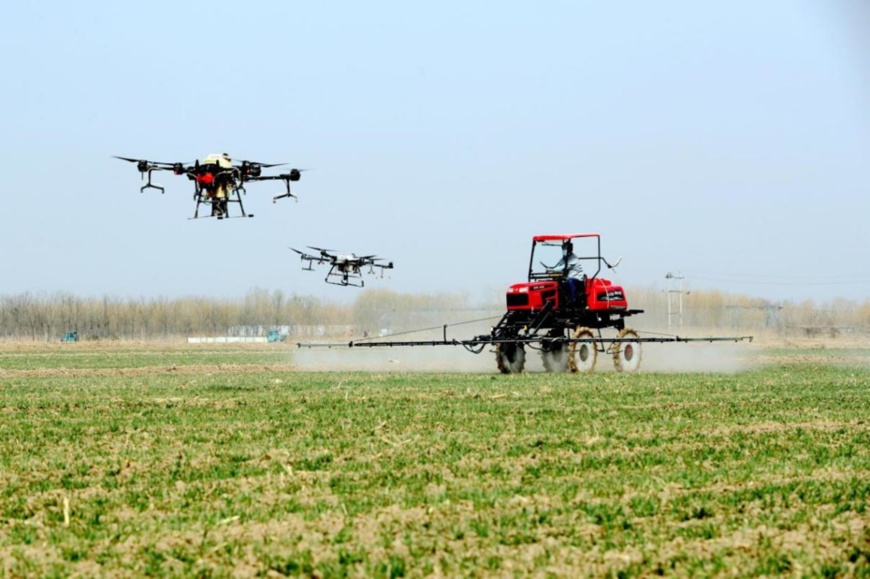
(510, 357)
(626, 355)
(582, 355)
(556, 358)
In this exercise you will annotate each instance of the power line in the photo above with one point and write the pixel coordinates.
(785, 283)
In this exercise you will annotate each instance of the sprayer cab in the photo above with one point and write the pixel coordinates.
(565, 281)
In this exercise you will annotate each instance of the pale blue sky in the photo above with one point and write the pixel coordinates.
(728, 141)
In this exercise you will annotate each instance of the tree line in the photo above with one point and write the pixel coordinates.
(29, 316)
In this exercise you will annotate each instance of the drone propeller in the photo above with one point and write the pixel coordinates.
(145, 166)
(246, 163)
(126, 159)
(142, 165)
(159, 164)
(320, 249)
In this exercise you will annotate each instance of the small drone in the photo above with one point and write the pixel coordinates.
(217, 180)
(345, 269)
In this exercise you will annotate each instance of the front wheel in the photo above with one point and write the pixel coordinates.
(582, 355)
(510, 357)
(626, 355)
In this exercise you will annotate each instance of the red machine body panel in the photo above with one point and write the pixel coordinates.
(601, 294)
(532, 295)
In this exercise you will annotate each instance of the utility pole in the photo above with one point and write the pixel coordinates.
(670, 277)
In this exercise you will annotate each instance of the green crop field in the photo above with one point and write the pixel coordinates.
(219, 461)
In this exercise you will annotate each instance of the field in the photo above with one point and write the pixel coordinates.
(130, 460)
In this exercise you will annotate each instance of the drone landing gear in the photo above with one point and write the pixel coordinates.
(345, 278)
(237, 192)
(345, 282)
(150, 185)
(287, 194)
(219, 207)
(219, 217)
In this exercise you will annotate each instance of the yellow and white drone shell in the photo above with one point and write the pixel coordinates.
(222, 160)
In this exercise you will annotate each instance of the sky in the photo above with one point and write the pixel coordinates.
(725, 142)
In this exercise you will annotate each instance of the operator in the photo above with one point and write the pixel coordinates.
(569, 261)
(573, 270)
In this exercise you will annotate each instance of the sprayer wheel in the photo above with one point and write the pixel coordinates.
(582, 355)
(555, 360)
(626, 355)
(510, 357)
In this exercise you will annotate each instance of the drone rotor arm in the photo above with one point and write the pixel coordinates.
(285, 178)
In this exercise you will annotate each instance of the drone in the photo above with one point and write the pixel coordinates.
(217, 180)
(345, 269)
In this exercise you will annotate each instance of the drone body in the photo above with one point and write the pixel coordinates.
(344, 269)
(218, 181)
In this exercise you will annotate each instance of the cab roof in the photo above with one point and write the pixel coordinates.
(562, 236)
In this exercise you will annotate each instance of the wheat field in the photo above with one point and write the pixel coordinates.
(132, 459)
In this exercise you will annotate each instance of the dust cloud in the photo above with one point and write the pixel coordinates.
(717, 357)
